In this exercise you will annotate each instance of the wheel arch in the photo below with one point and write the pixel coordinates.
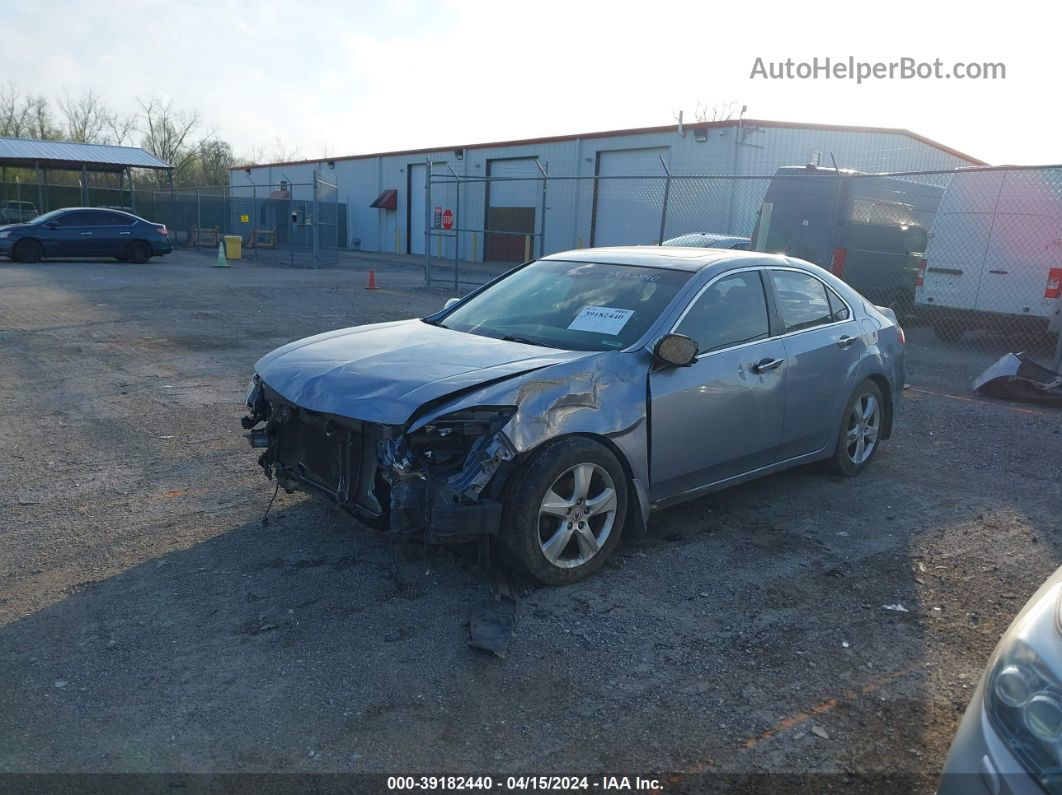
(886, 393)
(635, 522)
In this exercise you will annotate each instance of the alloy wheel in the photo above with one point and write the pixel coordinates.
(577, 515)
(864, 423)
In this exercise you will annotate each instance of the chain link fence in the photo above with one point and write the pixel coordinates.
(300, 225)
(970, 259)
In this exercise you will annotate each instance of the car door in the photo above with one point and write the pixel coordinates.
(721, 416)
(823, 344)
(99, 237)
(64, 235)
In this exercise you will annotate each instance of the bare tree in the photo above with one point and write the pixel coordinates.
(214, 159)
(279, 152)
(84, 118)
(718, 111)
(25, 116)
(169, 134)
(121, 128)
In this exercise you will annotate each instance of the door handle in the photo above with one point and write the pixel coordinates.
(86, 234)
(125, 233)
(763, 365)
(845, 342)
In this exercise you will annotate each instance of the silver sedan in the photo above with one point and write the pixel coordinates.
(557, 406)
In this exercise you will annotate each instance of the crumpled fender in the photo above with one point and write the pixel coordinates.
(603, 395)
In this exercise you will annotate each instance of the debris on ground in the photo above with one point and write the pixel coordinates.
(896, 608)
(491, 630)
(1016, 377)
(818, 731)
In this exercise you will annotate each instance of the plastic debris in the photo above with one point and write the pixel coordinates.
(897, 608)
(1016, 377)
(492, 631)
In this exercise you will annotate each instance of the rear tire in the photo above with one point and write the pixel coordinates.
(565, 511)
(28, 251)
(138, 252)
(859, 434)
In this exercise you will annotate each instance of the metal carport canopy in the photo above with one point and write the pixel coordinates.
(68, 155)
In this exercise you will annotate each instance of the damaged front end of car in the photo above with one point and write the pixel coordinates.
(440, 478)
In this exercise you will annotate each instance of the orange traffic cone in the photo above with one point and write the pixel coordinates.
(372, 280)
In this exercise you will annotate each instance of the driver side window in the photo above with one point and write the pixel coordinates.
(731, 311)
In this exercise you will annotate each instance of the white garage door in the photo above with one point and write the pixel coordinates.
(523, 193)
(627, 211)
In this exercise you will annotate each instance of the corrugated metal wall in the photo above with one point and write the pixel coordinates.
(571, 209)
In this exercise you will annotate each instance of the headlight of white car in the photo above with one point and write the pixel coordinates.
(1024, 693)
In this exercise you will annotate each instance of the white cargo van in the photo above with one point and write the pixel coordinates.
(994, 258)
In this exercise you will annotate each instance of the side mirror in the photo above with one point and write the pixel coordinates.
(676, 350)
(450, 302)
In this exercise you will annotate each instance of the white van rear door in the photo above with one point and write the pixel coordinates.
(1022, 249)
(954, 259)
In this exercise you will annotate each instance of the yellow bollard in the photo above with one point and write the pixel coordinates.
(580, 244)
(527, 247)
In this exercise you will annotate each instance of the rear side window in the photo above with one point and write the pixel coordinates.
(731, 311)
(802, 300)
(120, 219)
(99, 218)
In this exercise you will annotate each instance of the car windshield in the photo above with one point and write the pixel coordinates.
(584, 306)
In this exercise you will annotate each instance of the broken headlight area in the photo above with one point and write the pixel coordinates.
(257, 403)
(438, 479)
(440, 475)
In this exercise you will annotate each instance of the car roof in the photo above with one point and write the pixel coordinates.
(683, 258)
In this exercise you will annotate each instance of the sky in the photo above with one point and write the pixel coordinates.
(356, 77)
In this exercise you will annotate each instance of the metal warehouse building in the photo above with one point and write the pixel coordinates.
(501, 186)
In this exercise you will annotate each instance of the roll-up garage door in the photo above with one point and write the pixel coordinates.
(627, 211)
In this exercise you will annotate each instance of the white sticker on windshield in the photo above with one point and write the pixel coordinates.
(601, 319)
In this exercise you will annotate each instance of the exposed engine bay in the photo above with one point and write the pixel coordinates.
(438, 478)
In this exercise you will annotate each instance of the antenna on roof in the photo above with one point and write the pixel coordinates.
(681, 129)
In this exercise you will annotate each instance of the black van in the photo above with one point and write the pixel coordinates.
(871, 231)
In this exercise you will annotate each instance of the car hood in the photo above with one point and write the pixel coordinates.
(386, 371)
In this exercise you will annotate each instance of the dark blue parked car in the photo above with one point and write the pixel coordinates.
(85, 232)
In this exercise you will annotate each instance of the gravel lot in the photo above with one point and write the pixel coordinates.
(150, 623)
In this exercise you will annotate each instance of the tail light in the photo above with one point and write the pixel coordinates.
(1054, 283)
(921, 273)
(163, 230)
(903, 337)
(837, 264)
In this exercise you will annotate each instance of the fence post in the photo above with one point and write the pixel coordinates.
(457, 231)
(663, 209)
(542, 220)
(316, 223)
(427, 221)
(198, 211)
(254, 222)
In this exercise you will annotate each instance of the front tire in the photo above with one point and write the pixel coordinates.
(28, 251)
(859, 436)
(565, 511)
